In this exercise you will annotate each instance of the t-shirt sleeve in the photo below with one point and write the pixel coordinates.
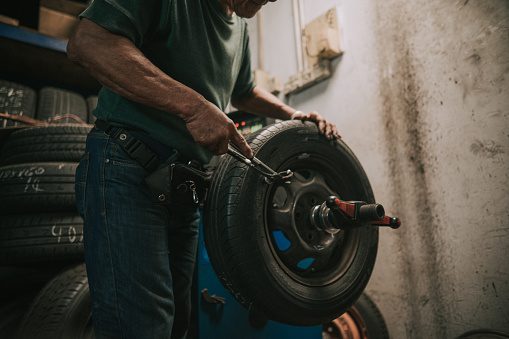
(132, 19)
(245, 80)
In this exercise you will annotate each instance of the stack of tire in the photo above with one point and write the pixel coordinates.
(39, 219)
(16, 99)
(39, 223)
(55, 105)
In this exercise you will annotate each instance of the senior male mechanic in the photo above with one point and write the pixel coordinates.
(168, 69)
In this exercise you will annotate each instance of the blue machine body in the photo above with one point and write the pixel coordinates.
(231, 320)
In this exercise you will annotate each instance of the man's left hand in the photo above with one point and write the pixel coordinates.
(326, 128)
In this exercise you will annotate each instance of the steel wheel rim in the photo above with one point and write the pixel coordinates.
(310, 256)
(349, 325)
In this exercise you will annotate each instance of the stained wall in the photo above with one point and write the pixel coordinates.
(421, 95)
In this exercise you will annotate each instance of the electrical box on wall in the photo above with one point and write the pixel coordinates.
(322, 37)
(267, 82)
(321, 41)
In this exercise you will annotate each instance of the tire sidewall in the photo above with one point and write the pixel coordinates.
(275, 147)
(264, 260)
(62, 308)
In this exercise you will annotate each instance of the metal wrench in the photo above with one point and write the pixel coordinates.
(270, 175)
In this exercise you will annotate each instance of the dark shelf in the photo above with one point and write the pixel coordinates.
(37, 60)
(32, 38)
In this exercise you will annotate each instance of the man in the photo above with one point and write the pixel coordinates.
(169, 68)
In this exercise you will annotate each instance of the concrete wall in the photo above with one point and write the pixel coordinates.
(421, 95)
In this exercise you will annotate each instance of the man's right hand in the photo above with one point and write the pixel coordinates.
(213, 130)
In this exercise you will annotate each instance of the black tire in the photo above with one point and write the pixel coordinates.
(61, 309)
(243, 215)
(12, 311)
(31, 238)
(19, 286)
(362, 320)
(61, 106)
(91, 105)
(484, 334)
(62, 142)
(37, 187)
(375, 323)
(16, 99)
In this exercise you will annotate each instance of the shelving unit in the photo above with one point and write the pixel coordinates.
(37, 60)
(32, 38)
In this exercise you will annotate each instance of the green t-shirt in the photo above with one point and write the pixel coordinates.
(194, 42)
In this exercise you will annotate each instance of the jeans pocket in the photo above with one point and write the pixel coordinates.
(81, 183)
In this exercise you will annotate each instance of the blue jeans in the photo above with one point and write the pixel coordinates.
(140, 259)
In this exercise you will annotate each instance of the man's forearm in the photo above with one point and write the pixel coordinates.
(121, 67)
(262, 102)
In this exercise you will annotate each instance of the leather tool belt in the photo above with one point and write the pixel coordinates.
(177, 186)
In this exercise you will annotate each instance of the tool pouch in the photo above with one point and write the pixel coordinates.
(178, 187)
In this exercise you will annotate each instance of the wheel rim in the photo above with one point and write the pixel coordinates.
(311, 256)
(349, 325)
